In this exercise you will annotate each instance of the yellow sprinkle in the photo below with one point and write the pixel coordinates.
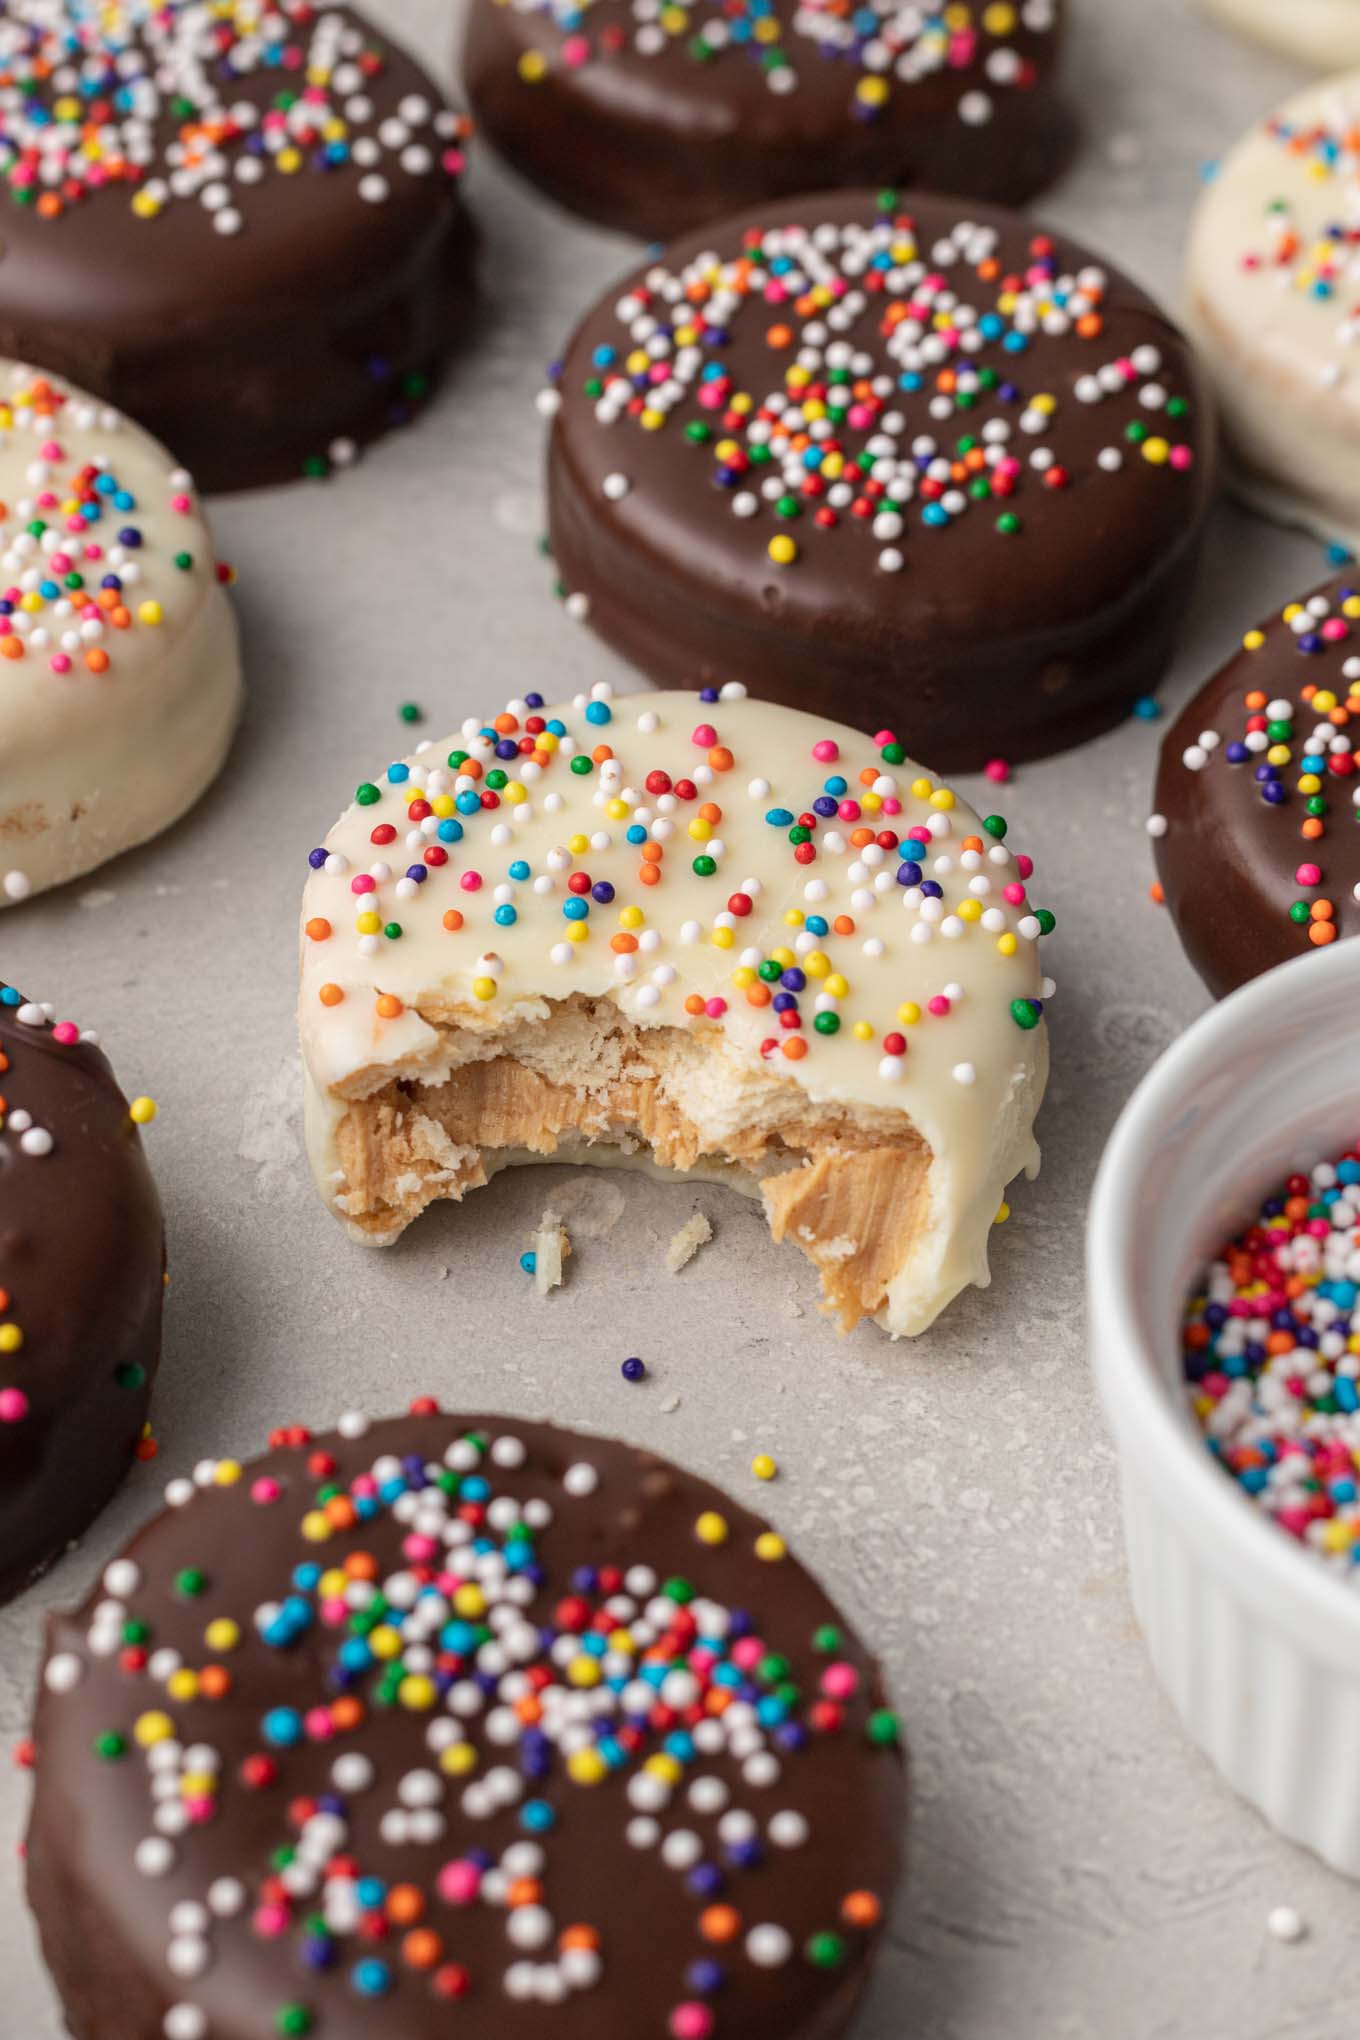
(763, 1467)
(223, 1634)
(442, 805)
(784, 957)
(532, 66)
(1278, 754)
(1003, 1212)
(385, 1641)
(149, 1729)
(837, 987)
(711, 1528)
(942, 798)
(142, 1111)
(11, 1338)
(288, 160)
(1254, 640)
(872, 91)
(664, 1767)
(724, 938)
(150, 612)
(578, 845)
(418, 1693)
(227, 1472)
(367, 924)
(515, 794)
(970, 910)
(469, 1601)
(1007, 944)
(484, 988)
(183, 1684)
(315, 1527)
(458, 1759)
(587, 1767)
(782, 550)
(631, 917)
(700, 829)
(794, 917)
(743, 976)
(1156, 450)
(771, 1547)
(922, 789)
(909, 1013)
(578, 932)
(652, 421)
(862, 1031)
(817, 963)
(617, 810)
(584, 1671)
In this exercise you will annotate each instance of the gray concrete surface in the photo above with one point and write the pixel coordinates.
(1080, 1874)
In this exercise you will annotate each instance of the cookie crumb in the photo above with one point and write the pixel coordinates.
(551, 1248)
(695, 1233)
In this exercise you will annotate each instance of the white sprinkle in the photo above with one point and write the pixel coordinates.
(64, 1672)
(18, 885)
(964, 1073)
(616, 487)
(1156, 825)
(581, 1479)
(1285, 1924)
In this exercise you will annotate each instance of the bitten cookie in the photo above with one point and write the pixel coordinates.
(460, 1724)
(654, 119)
(710, 933)
(240, 223)
(1270, 298)
(1257, 823)
(1322, 33)
(121, 665)
(927, 462)
(82, 1263)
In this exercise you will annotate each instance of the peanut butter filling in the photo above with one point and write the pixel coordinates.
(849, 1189)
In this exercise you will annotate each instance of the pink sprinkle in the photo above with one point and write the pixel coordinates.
(892, 805)
(471, 881)
(575, 51)
(884, 737)
(61, 563)
(1308, 874)
(318, 1724)
(66, 1032)
(363, 884)
(270, 1921)
(690, 2022)
(747, 1652)
(60, 662)
(13, 1406)
(459, 1882)
(939, 1005)
(1335, 627)
(826, 751)
(419, 1550)
(50, 449)
(1025, 866)
(184, 504)
(848, 811)
(363, 1485)
(1014, 895)
(997, 770)
(265, 1490)
(705, 736)
(715, 1008)
(840, 1681)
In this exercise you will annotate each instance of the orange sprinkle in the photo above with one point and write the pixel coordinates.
(1255, 699)
(861, 1909)
(423, 1948)
(214, 1682)
(505, 722)
(347, 1712)
(1091, 326)
(710, 811)
(720, 1923)
(453, 920)
(720, 758)
(12, 647)
(361, 1565)
(758, 995)
(795, 1048)
(843, 924)
(623, 945)
(649, 874)
(1322, 910)
(779, 336)
(578, 1937)
(390, 1007)
(523, 1891)
(319, 928)
(1157, 893)
(405, 1904)
(1312, 829)
(602, 753)
(330, 995)
(96, 660)
(1322, 932)
(694, 1004)
(651, 853)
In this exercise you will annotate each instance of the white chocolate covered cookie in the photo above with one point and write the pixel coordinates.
(705, 933)
(1273, 282)
(121, 673)
(1324, 34)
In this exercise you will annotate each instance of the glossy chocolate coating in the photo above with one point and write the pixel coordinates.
(655, 144)
(82, 1263)
(1230, 858)
(982, 645)
(104, 1924)
(250, 354)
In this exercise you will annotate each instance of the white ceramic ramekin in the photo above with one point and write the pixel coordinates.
(1256, 1642)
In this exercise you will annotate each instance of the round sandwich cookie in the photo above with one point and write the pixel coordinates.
(706, 933)
(82, 1268)
(935, 465)
(121, 664)
(460, 1724)
(1257, 822)
(1324, 34)
(654, 120)
(1271, 301)
(240, 223)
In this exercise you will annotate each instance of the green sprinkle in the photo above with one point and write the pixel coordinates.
(826, 1640)
(1298, 913)
(1047, 920)
(697, 432)
(827, 1023)
(995, 825)
(392, 931)
(580, 765)
(411, 711)
(316, 467)
(893, 754)
(191, 1582)
(704, 867)
(367, 794)
(184, 561)
(1025, 1014)
(825, 1951)
(881, 1728)
(678, 1590)
(131, 1375)
(1008, 523)
(110, 1746)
